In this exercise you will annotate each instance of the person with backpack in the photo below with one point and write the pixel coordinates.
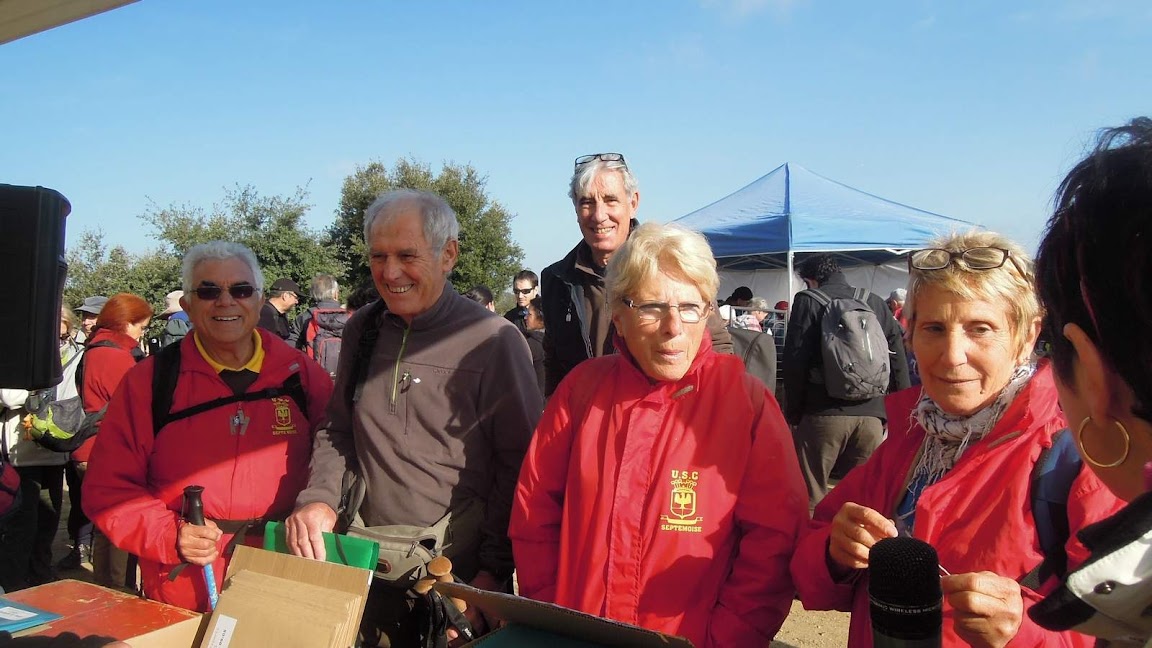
(176, 322)
(231, 408)
(319, 331)
(27, 534)
(959, 467)
(108, 355)
(843, 353)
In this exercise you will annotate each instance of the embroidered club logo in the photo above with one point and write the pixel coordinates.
(682, 503)
(283, 424)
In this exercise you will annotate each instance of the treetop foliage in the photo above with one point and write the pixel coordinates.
(487, 253)
(273, 227)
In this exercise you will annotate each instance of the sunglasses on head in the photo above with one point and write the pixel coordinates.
(603, 157)
(209, 292)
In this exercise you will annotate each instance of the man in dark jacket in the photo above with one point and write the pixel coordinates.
(325, 294)
(282, 296)
(832, 435)
(577, 321)
(525, 288)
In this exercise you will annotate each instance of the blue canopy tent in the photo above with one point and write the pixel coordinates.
(792, 210)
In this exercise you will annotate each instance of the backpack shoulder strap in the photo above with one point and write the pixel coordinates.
(165, 372)
(84, 356)
(860, 295)
(820, 296)
(368, 337)
(292, 387)
(1051, 481)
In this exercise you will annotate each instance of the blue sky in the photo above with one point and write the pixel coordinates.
(974, 110)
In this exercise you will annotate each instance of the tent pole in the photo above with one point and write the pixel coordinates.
(791, 295)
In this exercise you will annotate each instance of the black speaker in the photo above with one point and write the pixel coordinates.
(32, 246)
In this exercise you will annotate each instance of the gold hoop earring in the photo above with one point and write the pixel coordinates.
(1088, 457)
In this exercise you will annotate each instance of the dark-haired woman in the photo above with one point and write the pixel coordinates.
(108, 357)
(1094, 272)
(534, 334)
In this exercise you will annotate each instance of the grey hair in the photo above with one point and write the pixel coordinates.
(757, 304)
(440, 224)
(324, 287)
(219, 251)
(656, 248)
(585, 174)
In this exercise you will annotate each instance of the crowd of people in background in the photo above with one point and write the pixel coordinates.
(624, 441)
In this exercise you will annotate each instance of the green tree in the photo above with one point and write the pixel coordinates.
(271, 226)
(94, 269)
(488, 255)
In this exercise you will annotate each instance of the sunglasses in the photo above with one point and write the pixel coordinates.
(979, 258)
(209, 292)
(522, 291)
(603, 157)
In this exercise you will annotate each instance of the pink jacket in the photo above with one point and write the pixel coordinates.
(673, 506)
(978, 516)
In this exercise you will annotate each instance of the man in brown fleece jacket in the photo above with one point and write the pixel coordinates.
(442, 418)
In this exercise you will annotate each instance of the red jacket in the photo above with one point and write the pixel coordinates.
(104, 368)
(978, 516)
(674, 506)
(134, 486)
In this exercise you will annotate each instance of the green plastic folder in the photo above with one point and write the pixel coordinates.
(341, 549)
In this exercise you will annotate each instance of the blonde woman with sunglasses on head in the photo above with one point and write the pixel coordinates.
(955, 470)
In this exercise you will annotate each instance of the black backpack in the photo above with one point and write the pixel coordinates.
(323, 335)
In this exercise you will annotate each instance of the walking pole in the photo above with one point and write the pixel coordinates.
(194, 514)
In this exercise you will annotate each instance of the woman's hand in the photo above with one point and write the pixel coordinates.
(987, 608)
(854, 530)
(197, 544)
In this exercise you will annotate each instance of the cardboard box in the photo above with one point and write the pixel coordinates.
(275, 599)
(533, 623)
(88, 609)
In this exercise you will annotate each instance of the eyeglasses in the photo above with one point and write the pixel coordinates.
(656, 311)
(209, 292)
(978, 258)
(522, 291)
(603, 157)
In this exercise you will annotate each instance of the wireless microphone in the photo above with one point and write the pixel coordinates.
(905, 600)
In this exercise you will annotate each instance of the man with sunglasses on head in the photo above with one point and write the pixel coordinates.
(833, 435)
(230, 408)
(577, 321)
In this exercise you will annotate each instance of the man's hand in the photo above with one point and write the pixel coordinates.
(854, 530)
(480, 624)
(196, 544)
(304, 527)
(988, 608)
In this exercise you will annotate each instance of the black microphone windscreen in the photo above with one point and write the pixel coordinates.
(904, 588)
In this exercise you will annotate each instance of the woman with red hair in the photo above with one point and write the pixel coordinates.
(108, 357)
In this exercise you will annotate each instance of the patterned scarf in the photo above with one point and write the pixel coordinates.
(948, 435)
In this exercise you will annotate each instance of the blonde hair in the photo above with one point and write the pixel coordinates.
(1012, 284)
(655, 248)
(69, 319)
